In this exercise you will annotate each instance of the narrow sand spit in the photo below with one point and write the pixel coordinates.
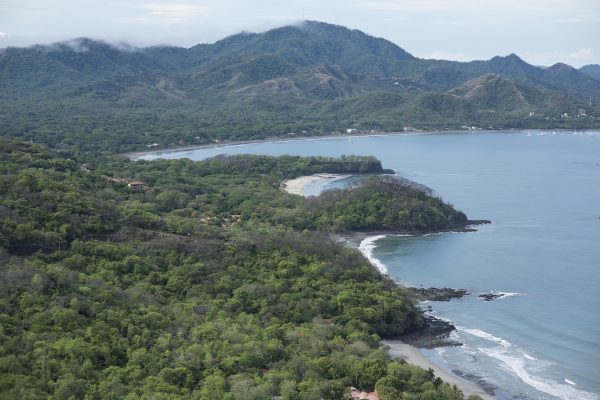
(411, 355)
(297, 185)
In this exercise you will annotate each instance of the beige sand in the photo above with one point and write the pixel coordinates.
(296, 186)
(411, 355)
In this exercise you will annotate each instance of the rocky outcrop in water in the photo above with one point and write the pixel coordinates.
(435, 333)
(490, 296)
(438, 294)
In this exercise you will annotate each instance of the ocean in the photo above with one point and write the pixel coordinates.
(541, 189)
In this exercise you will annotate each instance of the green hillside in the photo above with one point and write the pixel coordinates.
(592, 70)
(205, 285)
(312, 79)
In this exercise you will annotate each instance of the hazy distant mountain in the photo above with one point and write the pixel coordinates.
(592, 70)
(572, 81)
(511, 65)
(312, 77)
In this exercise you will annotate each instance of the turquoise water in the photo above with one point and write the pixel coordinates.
(542, 190)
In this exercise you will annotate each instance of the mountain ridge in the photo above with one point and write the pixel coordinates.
(592, 70)
(313, 77)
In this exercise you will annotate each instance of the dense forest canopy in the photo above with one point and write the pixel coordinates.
(210, 283)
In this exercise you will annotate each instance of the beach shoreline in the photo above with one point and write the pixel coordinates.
(399, 349)
(136, 155)
(298, 185)
(412, 355)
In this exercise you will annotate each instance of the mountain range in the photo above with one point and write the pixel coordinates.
(309, 78)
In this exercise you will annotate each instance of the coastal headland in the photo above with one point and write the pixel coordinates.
(435, 332)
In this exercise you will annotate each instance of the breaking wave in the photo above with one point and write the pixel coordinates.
(486, 336)
(509, 294)
(367, 246)
(521, 364)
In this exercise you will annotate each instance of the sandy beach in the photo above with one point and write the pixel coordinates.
(411, 355)
(136, 155)
(297, 185)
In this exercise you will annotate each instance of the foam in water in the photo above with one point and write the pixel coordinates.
(439, 233)
(518, 365)
(438, 317)
(486, 336)
(509, 294)
(367, 246)
(502, 295)
(521, 364)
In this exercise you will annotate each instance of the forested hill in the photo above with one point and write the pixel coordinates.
(207, 283)
(309, 78)
(592, 70)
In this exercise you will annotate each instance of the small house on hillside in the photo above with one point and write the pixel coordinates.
(356, 394)
(135, 185)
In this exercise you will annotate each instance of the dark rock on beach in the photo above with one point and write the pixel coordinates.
(486, 386)
(438, 294)
(435, 333)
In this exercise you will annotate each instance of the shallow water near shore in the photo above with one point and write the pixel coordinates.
(542, 190)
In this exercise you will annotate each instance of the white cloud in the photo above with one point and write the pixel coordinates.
(443, 55)
(579, 19)
(575, 58)
(542, 58)
(442, 22)
(458, 7)
(417, 6)
(175, 11)
(581, 55)
(2, 34)
(77, 45)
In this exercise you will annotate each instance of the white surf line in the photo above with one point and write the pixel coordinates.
(367, 246)
(517, 361)
(518, 366)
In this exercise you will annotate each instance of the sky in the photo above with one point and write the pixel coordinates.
(542, 32)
